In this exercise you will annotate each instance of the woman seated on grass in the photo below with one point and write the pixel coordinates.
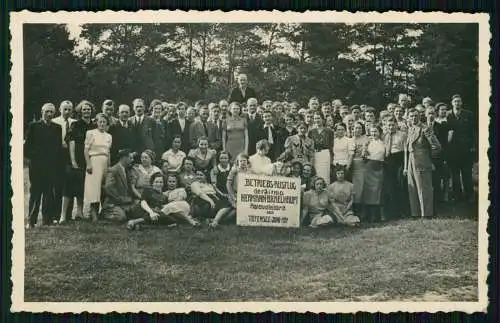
(140, 175)
(169, 206)
(207, 202)
(315, 207)
(240, 166)
(188, 172)
(308, 174)
(220, 172)
(342, 198)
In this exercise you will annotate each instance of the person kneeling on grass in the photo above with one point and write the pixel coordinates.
(240, 166)
(316, 205)
(207, 201)
(341, 195)
(117, 199)
(169, 206)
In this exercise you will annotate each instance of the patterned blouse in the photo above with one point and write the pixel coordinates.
(359, 146)
(203, 162)
(98, 142)
(300, 148)
(322, 140)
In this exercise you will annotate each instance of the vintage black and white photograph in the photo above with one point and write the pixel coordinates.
(243, 159)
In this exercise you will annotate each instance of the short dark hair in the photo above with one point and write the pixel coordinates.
(155, 176)
(124, 152)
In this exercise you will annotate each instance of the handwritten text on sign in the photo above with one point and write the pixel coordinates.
(268, 201)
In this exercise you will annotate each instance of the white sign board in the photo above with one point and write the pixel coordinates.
(268, 201)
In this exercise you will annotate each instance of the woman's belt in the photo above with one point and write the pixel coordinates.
(95, 155)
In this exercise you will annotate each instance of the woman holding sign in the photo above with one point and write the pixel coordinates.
(240, 166)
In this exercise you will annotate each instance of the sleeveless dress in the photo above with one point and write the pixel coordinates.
(235, 135)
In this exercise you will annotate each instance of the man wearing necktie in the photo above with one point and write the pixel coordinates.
(65, 121)
(420, 145)
(215, 122)
(396, 201)
(273, 134)
(254, 123)
(121, 132)
(142, 127)
(202, 128)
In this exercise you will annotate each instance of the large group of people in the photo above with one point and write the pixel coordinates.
(175, 163)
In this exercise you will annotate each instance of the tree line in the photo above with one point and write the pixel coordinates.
(360, 63)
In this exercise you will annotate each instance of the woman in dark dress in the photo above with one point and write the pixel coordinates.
(220, 172)
(323, 144)
(76, 139)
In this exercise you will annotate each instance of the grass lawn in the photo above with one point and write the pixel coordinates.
(408, 260)
(431, 260)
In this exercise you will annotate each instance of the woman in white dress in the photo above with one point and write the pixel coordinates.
(343, 150)
(96, 151)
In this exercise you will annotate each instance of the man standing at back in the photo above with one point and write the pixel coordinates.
(242, 92)
(42, 148)
(142, 127)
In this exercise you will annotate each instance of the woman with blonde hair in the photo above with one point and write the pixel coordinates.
(96, 151)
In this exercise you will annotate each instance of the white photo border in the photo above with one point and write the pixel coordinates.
(17, 19)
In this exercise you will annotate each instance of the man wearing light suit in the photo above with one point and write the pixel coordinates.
(202, 128)
(421, 144)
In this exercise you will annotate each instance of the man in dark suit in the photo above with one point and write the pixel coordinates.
(272, 133)
(121, 132)
(42, 147)
(216, 121)
(142, 128)
(179, 126)
(202, 128)
(462, 143)
(254, 122)
(117, 198)
(242, 92)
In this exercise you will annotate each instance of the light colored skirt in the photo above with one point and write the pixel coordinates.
(373, 182)
(358, 178)
(180, 208)
(93, 182)
(322, 164)
(343, 217)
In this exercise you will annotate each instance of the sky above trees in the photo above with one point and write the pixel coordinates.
(359, 63)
